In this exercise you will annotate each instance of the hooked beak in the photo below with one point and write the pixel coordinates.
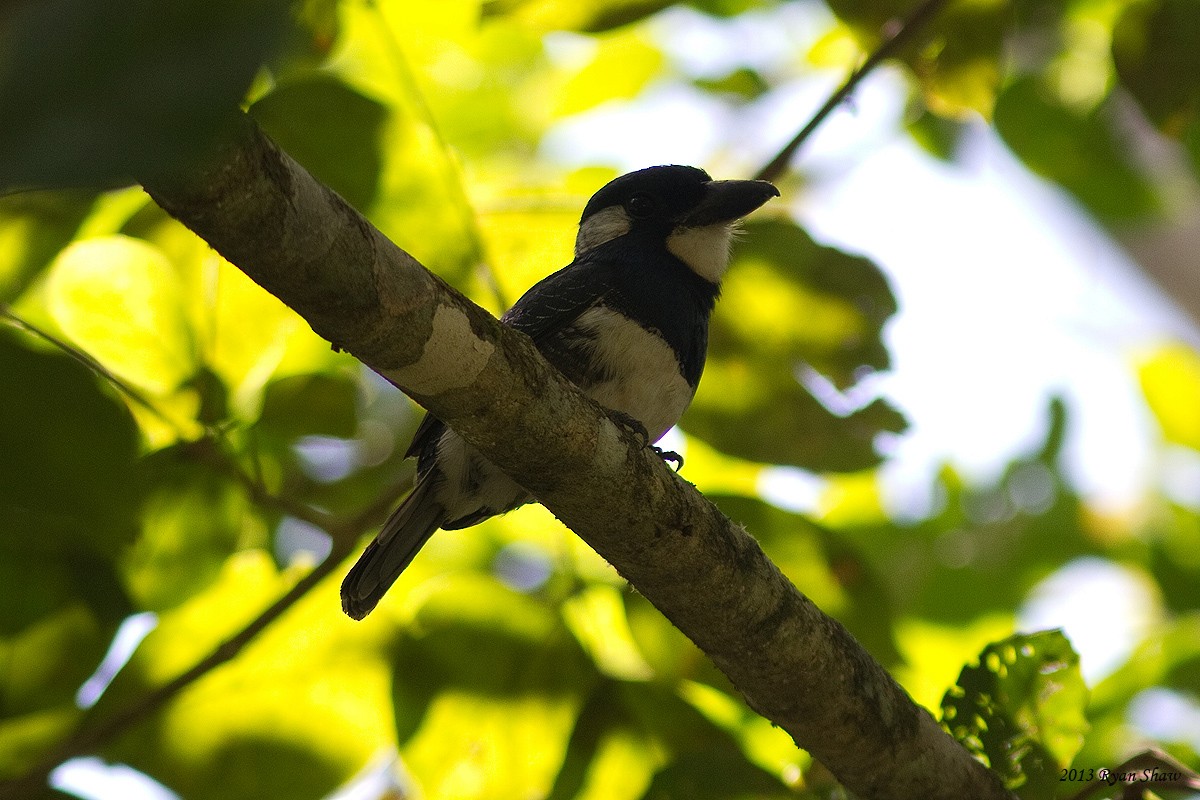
(725, 201)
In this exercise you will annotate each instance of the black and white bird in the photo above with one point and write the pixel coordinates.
(626, 321)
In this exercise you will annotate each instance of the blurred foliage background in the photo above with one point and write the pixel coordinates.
(179, 449)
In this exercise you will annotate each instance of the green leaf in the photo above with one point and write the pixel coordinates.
(609, 756)
(68, 503)
(121, 301)
(334, 131)
(671, 655)
(488, 687)
(417, 192)
(642, 740)
(1078, 149)
(34, 227)
(690, 740)
(93, 94)
(44, 666)
(310, 405)
(311, 31)
(1170, 379)
(68, 494)
(1021, 710)
(827, 566)
(194, 517)
(595, 16)
(299, 712)
(621, 66)
(957, 58)
(591, 16)
(716, 776)
(787, 303)
(1156, 49)
(742, 83)
(938, 136)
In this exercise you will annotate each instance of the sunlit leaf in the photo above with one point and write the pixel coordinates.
(705, 760)
(527, 239)
(961, 70)
(193, 518)
(488, 686)
(809, 302)
(608, 758)
(670, 654)
(419, 201)
(121, 301)
(1021, 709)
(597, 618)
(595, 16)
(621, 66)
(486, 85)
(1156, 49)
(93, 94)
(251, 337)
(296, 715)
(933, 654)
(1170, 379)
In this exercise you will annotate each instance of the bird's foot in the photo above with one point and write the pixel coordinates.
(669, 456)
(623, 420)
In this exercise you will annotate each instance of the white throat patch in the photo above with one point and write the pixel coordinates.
(601, 227)
(705, 250)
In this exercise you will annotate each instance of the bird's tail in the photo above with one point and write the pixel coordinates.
(402, 536)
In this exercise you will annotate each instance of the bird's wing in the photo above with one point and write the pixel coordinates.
(547, 308)
(557, 300)
(429, 430)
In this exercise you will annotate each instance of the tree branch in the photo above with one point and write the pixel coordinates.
(903, 33)
(794, 665)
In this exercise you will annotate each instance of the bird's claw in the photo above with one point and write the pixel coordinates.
(669, 456)
(623, 420)
(635, 427)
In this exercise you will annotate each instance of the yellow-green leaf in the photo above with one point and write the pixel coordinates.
(1170, 379)
(299, 712)
(120, 300)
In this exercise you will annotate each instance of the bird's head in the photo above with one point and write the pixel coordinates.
(681, 207)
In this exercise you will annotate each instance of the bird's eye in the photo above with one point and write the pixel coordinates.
(641, 206)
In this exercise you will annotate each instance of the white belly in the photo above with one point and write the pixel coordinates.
(645, 382)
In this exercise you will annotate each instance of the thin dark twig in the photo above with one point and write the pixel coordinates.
(903, 34)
